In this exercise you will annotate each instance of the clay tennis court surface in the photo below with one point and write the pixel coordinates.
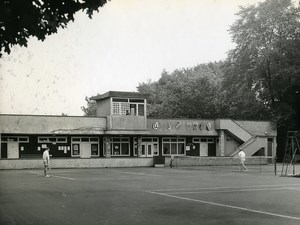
(147, 196)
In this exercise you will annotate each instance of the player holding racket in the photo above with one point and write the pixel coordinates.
(242, 157)
(46, 161)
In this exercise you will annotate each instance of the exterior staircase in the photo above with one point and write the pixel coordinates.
(235, 129)
(251, 146)
(251, 143)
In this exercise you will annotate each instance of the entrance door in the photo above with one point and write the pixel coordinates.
(147, 150)
(13, 150)
(203, 149)
(85, 150)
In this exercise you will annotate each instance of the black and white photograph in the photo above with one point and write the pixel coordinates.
(149, 112)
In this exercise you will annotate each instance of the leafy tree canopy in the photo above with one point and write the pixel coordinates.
(91, 108)
(188, 92)
(266, 59)
(20, 19)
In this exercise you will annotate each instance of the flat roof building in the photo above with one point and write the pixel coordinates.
(122, 135)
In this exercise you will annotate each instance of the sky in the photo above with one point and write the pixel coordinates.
(126, 43)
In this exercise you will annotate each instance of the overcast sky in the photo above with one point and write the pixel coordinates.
(126, 43)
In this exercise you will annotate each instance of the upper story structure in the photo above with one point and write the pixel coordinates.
(125, 111)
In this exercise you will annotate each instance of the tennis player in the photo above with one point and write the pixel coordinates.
(242, 157)
(46, 161)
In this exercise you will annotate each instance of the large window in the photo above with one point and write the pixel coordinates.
(52, 139)
(128, 106)
(92, 141)
(21, 139)
(76, 149)
(198, 140)
(173, 146)
(120, 146)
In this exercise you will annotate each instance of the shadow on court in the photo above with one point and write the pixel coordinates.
(129, 196)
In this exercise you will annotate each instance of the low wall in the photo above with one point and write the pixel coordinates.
(76, 163)
(213, 161)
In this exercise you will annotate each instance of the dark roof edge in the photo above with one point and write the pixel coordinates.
(120, 94)
(46, 115)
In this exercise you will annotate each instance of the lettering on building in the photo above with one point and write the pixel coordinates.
(201, 126)
(156, 125)
(195, 126)
(208, 126)
(169, 126)
(188, 125)
(178, 124)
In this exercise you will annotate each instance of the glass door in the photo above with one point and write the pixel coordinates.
(147, 150)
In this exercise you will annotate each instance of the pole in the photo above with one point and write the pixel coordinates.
(275, 169)
(260, 164)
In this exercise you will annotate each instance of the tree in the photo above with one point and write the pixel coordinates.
(91, 109)
(188, 92)
(266, 59)
(20, 19)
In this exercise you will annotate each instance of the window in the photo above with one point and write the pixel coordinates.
(128, 107)
(93, 141)
(173, 146)
(94, 150)
(181, 148)
(198, 140)
(52, 139)
(76, 139)
(75, 149)
(15, 139)
(155, 150)
(61, 140)
(43, 139)
(210, 140)
(120, 147)
(141, 109)
(133, 109)
(116, 109)
(24, 139)
(4, 139)
(125, 109)
(229, 139)
(85, 139)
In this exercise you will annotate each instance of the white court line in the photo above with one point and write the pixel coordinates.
(95, 179)
(230, 191)
(227, 206)
(225, 187)
(294, 189)
(141, 174)
(109, 179)
(67, 178)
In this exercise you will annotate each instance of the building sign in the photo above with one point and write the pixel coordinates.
(156, 125)
(169, 126)
(208, 126)
(178, 124)
(182, 126)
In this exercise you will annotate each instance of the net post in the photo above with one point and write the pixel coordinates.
(260, 164)
(275, 166)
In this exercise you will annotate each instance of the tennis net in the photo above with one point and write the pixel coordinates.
(255, 164)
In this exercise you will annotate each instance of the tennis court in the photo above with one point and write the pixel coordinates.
(147, 196)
